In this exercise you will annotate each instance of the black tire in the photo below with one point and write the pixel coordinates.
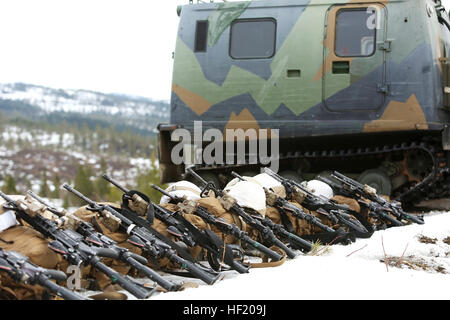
(377, 179)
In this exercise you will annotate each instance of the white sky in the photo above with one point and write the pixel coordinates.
(122, 46)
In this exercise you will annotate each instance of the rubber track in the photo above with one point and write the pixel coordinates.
(435, 185)
(431, 187)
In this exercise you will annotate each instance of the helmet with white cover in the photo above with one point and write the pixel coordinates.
(270, 183)
(8, 217)
(249, 194)
(182, 189)
(320, 188)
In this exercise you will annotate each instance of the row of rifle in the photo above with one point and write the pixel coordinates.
(85, 245)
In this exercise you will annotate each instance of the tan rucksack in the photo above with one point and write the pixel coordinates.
(33, 245)
(215, 207)
(111, 229)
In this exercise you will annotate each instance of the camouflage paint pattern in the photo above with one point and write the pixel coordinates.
(217, 89)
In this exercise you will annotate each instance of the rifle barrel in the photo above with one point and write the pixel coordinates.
(164, 192)
(79, 195)
(115, 182)
(7, 198)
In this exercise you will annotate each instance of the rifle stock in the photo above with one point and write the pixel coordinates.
(189, 233)
(266, 233)
(136, 261)
(71, 245)
(225, 227)
(364, 191)
(337, 213)
(140, 235)
(20, 269)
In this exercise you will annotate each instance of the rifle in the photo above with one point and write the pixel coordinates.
(100, 240)
(20, 269)
(186, 231)
(152, 243)
(279, 230)
(71, 245)
(283, 205)
(266, 233)
(370, 193)
(222, 225)
(337, 213)
(375, 209)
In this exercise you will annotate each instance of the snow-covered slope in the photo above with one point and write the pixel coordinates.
(348, 272)
(25, 153)
(48, 105)
(80, 101)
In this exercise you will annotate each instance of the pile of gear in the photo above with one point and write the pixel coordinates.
(195, 231)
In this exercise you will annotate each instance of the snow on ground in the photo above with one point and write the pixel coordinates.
(345, 272)
(355, 271)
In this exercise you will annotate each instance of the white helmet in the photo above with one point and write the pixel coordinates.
(182, 189)
(8, 218)
(267, 181)
(320, 188)
(270, 183)
(248, 194)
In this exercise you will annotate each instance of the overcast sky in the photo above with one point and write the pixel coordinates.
(122, 46)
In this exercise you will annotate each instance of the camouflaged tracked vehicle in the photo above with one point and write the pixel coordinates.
(356, 86)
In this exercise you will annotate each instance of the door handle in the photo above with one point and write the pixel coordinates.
(341, 67)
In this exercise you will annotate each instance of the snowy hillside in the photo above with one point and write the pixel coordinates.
(418, 268)
(26, 153)
(80, 101)
(54, 105)
(47, 134)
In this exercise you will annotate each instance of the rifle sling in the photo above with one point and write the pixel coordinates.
(6, 241)
(271, 264)
(286, 221)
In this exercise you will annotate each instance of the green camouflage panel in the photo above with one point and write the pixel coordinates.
(306, 88)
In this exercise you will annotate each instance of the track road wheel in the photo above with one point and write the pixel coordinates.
(378, 179)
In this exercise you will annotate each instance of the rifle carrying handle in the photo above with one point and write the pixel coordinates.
(291, 254)
(139, 258)
(107, 253)
(153, 275)
(195, 270)
(268, 252)
(126, 283)
(300, 242)
(209, 186)
(56, 274)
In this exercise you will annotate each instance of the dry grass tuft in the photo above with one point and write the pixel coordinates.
(446, 240)
(318, 249)
(427, 240)
(414, 263)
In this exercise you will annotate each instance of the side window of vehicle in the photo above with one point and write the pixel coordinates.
(253, 39)
(201, 36)
(355, 34)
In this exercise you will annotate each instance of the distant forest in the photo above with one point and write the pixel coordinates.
(107, 140)
(103, 141)
(21, 110)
